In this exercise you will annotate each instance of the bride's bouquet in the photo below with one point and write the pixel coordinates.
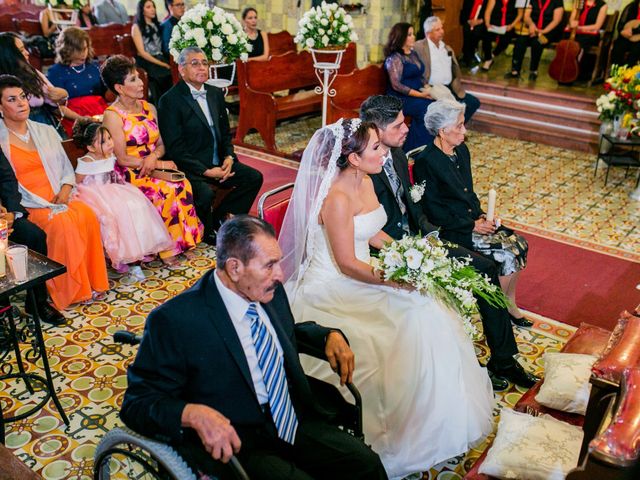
(423, 263)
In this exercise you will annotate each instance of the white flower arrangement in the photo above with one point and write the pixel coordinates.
(327, 25)
(423, 263)
(417, 191)
(218, 33)
(65, 4)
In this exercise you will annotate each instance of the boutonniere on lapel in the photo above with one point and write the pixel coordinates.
(417, 191)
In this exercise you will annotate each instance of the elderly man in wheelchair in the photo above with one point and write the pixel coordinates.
(217, 375)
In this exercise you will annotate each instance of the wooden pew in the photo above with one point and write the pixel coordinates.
(280, 42)
(6, 19)
(73, 151)
(354, 88)
(103, 38)
(28, 26)
(260, 109)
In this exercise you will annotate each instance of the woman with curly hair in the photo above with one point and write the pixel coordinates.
(139, 149)
(78, 74)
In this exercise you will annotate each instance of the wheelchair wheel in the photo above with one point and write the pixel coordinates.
(124, 454)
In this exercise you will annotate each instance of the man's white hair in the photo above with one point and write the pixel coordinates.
(430, 23)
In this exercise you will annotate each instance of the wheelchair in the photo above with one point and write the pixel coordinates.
(123, 453)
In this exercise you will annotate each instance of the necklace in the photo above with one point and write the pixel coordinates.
(79, 69)
(23, 138)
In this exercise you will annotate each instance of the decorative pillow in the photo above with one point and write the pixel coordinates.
(566, 384)
(532, 448)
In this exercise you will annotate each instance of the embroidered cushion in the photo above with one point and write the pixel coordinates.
(532, 448)
(566, 384)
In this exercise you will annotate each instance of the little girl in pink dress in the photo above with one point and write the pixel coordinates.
(131, 227)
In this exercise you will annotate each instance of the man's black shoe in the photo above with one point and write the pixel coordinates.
(521, 322)
(498, 382)
(48, 314)
(516, 374)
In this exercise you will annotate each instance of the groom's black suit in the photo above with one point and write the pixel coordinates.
(496, 322)
(188, 140)
(191, 353)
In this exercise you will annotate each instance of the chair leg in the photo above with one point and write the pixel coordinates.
(606, 177)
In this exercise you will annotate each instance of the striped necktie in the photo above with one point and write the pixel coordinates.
(275, 380)
(396, 185)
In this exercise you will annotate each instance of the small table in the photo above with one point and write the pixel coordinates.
(619, 153)
(39, 270)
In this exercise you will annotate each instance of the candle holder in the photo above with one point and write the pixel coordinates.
(219, 77)
(326, 63)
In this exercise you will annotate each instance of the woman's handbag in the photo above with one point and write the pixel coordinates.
(168, 174)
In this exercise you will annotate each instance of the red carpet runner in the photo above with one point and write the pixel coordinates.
(574, 285)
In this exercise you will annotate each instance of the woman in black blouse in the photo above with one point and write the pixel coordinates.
(501, 14)
(450, 202)
(145, 32)
(257, 38)
(543, 18)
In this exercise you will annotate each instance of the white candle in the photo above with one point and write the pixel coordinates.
(3, 269)
(491, 208)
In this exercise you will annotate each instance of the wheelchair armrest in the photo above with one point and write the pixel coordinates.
(318, 353)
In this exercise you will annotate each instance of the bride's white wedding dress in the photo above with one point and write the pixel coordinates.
(426, 398)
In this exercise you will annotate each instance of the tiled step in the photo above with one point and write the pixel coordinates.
(550, 118)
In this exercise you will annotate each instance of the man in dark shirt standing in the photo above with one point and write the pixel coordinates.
(176, 10)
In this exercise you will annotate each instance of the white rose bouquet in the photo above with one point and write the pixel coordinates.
(218, 33)
(325, 26)
(423, 263)
(416, 191)
(66, 4)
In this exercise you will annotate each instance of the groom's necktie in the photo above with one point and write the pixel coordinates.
(271, 363)
(396, 185)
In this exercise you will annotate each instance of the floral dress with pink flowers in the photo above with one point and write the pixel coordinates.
(173, 200)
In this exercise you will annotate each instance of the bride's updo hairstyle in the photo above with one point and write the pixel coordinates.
(355, 139)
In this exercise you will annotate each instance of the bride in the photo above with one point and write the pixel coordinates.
(426, 398)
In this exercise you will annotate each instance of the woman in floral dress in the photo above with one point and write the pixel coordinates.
(139, 148)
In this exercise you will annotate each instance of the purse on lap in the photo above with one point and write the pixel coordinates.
(168, 174)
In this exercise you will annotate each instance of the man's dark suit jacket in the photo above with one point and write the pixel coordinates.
(190, 353)
(417, 220)
(9, 194)
(185, 130)
(449, 200)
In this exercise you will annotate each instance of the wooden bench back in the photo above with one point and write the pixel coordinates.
(280, 42)
(280, 72)
(6, 19)
(103, 38)
(73, 151)
(28, 26)
(354, 88)
(126, 46)
(291, 70)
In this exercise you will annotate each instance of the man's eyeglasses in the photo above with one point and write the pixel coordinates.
(177, 5)
(198, 63)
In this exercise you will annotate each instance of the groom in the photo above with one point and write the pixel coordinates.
(405, 217)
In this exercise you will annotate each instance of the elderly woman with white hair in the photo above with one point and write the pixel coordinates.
(450, 202)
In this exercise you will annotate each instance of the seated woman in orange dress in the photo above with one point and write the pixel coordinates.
(46, 182)
(138, 147)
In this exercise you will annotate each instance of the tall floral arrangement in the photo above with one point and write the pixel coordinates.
(218, 33)
(68, 4)
(326, 25)
(622, 93)
(423, 263)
